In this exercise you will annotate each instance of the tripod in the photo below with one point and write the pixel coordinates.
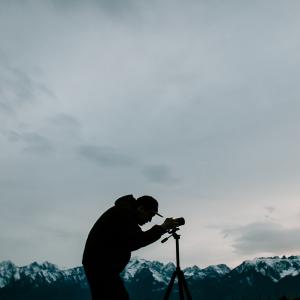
(182, 285)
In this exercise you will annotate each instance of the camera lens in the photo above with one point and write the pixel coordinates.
(181, 221)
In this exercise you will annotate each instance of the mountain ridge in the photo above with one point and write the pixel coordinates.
(260, 277)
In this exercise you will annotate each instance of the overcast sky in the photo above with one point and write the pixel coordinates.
(196, 103)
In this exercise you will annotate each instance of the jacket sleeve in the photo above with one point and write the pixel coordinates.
(121, 231)
(138, 239)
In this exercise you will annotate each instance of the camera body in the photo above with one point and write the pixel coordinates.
(181, 221)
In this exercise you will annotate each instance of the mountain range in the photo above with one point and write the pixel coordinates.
(258, 279)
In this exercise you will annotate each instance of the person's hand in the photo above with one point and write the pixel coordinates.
(170, 223)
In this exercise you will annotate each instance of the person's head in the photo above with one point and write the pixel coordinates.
(146, 209)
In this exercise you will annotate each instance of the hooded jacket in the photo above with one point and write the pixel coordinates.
(115, 235)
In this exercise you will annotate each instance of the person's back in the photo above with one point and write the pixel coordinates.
(107, 243)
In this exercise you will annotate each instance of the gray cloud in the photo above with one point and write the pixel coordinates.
(159, 173)
(114, 8)
(64, 120)
(17, 87)
(264, 237)
(65, 127)
(32, 142)
(105, 156)
(270, 209)
(195, 90)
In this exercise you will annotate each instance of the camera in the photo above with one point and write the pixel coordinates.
(181, 221)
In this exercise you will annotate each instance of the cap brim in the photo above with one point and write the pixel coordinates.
(159, 214)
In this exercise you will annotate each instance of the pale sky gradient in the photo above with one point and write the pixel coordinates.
(196, 103)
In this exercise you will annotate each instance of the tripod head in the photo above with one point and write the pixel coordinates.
(173, 233)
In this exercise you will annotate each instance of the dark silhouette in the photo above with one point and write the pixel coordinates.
(112, 239)
(182, 284)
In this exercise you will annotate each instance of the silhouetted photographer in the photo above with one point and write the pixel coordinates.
(112, 239)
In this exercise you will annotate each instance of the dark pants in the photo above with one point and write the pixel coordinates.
(104, 285)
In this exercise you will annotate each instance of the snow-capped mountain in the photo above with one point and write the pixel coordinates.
(209, 272)
(260, 278)
(163, 272)
(39, 274)
(275, 268)
(7, 271)
(160, 272)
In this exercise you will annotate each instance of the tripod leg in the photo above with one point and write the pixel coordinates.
(180, 285)
(184, 284)
(167, 294)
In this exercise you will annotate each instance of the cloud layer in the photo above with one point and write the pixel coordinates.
(253, 239)
(194, 103)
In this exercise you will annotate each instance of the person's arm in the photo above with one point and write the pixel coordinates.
(141, 238)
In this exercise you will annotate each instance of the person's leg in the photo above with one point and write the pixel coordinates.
(104, 285)
(114, 289)
(120, 291)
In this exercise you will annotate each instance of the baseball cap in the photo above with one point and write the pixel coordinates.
(149, 203)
